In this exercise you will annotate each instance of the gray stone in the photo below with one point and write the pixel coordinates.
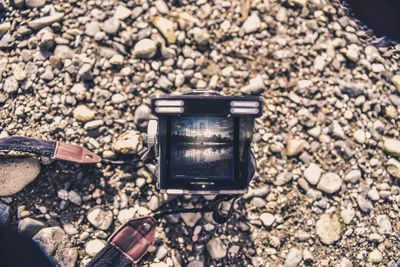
(35, 3)
(347, 215)
(353, 176)
(190, 219)
(141, 116)
(312, 173)
(4, 214)
(92, 28)
(161, 253)
(29, 227)
(391, 146)
(75, 198)
(91, 125)
(63, 52)
(252, 23)
(16, 173)
(111, 26)
(92, 247)
(83, 113)
(329, 183)
(267, 219)
(216, 248)
(384, 225)
(7, 41)
(328, 229)
(345, 263)
(53, 241)
(393, 167)
(100, 218)
(31, 69)
(129, 142)
(122, 12)
(4, 27)
(145, 48)
(375, 256)
(294, 147)
(364, 204)
(294, 258)
(255, 86)
(10, 85)
(42, 22)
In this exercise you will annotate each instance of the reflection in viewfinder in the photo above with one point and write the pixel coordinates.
(202, 147)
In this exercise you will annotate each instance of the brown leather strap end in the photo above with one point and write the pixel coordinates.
(135, 237)
(75, 153)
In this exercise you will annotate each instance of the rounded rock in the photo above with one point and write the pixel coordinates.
(267, 219)
(99, 218)
(83, 113)
(16, 173)
(216, 248)
(312, 174)
(294, 147)
(92, 247)
(294, 258)
(145, 48)
(328, 229)
(330, 183)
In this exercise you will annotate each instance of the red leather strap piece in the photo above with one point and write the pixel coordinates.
(75, 153)
(135, 237)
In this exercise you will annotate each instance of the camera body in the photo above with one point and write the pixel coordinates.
(202, 142)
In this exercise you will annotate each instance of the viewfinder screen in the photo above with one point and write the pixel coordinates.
(202, 147)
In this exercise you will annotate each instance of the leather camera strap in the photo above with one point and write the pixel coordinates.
(133, 239)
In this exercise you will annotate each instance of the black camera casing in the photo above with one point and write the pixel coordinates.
(241, 111)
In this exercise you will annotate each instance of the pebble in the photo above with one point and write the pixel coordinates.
(42, 22)
(129, 142)
(393, 167)
(201, 36)
(118, 99)
(35, 3)
(4, 27)
(301, 3)
(111, 26)
(267, 219)
(141, 116)
(359, 136)
(375, 256)
(294, 258)
(353, 176)
(54, 242)
(122, 12)
(190, 219)
(29, 227)
(154, 203)
(79, 90)
(216, 248)
(347, 215)
(195, 263)
(10, 85)
(19, 72)
(328, 229)
(395, 81)
(391, 146)
(92, 28)
(312, 173)
(283, 178)
(294, 147)
(63, 52)
(252, 23)
(258, 202)
(125, 215)
(48, 74)
(16, 173)
(4, 214)
(337, 130)
(373, 194)
(92, 247)
(161, 253)
(255, 86)
(353, 52)
(117, 60)
(75, 198)
(329, 183)
(345, 263)
(145, 48)
(99, 218)
(83, 113)
(166, 28)
(384, 225)
(92, 125)
(364, 204)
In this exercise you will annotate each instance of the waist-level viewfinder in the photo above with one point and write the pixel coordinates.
(202, 142)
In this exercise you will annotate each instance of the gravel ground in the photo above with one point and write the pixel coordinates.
(326, 191)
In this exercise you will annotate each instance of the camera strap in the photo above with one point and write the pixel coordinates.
(133, 239)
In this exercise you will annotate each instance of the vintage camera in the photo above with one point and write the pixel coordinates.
(201, 142)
